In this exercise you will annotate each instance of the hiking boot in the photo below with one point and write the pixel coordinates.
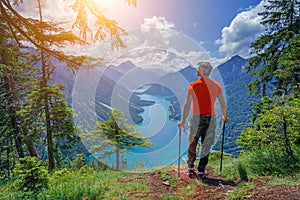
(203, 174)
(191, 172)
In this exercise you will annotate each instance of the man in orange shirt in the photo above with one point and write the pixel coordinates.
(202, 94)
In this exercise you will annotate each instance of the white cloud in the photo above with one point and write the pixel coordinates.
(243, 30)
(52, 10)
(169, 47)
(155, 44)
(157, 31)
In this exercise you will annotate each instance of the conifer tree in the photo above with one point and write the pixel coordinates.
(15, 78)
(46, 100)
(281, 19)
(275, 75)
(115, 136)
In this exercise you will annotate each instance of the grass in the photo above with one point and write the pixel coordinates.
(173, 180)
(240, 191)
(235, 168)
(288, 180)
(190, 189)
(242, 167)
(169, 197)
(229, 166)
(87, 183)
(77, 185)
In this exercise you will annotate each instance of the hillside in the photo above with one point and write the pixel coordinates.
(160, 184)
(238, 100)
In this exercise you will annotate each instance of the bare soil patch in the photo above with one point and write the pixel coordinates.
(211, 188)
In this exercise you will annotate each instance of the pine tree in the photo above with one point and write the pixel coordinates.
(281, 19)
(289, 76)
(15, 78)
(275, 75)
(46, 99)
(115, 136)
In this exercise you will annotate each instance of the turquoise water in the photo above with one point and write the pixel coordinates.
(161, 131)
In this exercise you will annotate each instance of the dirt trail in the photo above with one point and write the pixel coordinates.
(213, 187)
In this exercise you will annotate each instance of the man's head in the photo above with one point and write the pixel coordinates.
(204, 69)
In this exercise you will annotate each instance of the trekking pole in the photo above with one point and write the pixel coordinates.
(179, 144)
(222, 148)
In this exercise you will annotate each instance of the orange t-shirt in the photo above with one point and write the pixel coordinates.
(204, 92)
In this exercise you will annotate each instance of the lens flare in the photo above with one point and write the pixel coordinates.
(147, 82)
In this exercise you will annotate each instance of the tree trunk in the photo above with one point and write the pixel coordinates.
(16, 103)
(14, 124)
(31, 148)
(118, 158)
(9, 143)
(264, 90)
(288, 148)
(50, 150)
(117, 148)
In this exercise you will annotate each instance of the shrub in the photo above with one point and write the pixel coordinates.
(31, 176)
(79, 161)
(270, 161)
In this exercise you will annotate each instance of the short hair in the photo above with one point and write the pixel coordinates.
(207, 66)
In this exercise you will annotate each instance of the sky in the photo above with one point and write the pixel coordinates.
(220, 28)
(163, 35)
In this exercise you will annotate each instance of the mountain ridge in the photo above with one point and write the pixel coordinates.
(232, 73)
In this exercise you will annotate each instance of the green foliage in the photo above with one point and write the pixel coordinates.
(79, 161)
(121, 134)
(31, 177)
(60, 116)
(290, 73)
(215, 156)
(169, 197)
(272, 143)
(86, 170)
(15, 78)
(229, 167)
(172, 180)
(271, 161)
(85, 183)
(276, 124)
(243, 173)
(89, 184)
(240, 191)
(292, 180)
(268, 66)
(58, 157)
(189, 190)
(32, 104)
(115, 136)
(103, 25)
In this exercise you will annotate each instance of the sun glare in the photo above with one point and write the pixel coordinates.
(126, 15)
(105, 3)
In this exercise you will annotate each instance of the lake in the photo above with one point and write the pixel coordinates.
(161, 131)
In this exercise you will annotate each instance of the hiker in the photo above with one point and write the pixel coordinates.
(202, 94)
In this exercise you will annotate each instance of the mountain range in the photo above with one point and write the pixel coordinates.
(118, 85)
